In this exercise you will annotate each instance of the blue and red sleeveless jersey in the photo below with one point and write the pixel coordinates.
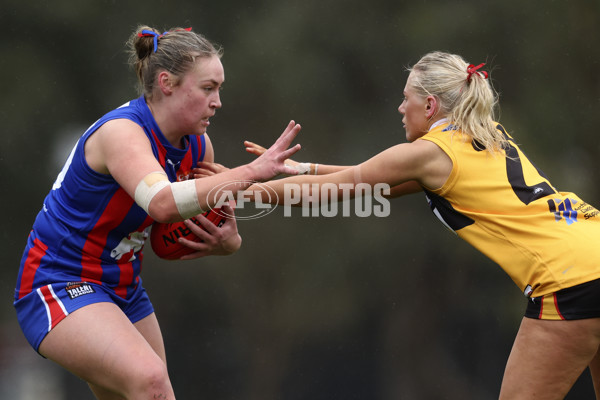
(89, 228)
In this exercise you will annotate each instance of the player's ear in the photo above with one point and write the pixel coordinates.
(431, 106)
(165, 82)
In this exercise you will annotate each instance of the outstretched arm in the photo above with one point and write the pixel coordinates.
(406, 168)
(324, 169)
(120, 143)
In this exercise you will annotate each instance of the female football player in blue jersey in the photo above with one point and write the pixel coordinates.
(79, 297)
(481, 185)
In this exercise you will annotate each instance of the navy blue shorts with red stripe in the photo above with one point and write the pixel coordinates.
(41, 310)
(577, 302)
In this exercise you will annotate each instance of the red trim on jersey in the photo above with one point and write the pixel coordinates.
(185, 168)
(32, 263)
(114, 213)
(187, 163)
(162, 152)
(56, 310)
(556, 306)
(541, 307)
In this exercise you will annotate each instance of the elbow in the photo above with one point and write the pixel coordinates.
(164, 214)
(163, 210)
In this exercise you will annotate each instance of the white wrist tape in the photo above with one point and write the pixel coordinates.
(184, 193)
(302, 168)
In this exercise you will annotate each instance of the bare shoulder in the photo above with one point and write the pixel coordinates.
(120, 130)
(419, 161)
(435, 165)
(427, 147)
(118, 141)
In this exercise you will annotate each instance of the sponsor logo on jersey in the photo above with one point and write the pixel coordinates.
(571, 209)
(587, 210)
(563, 209)
(76, 289)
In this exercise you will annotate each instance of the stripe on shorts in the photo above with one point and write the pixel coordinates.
(55, 309)
(549, 308)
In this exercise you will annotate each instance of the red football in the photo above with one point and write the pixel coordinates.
(163, 237)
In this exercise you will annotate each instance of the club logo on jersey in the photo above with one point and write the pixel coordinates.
(76, 289)
(130, 245)
(450, 128)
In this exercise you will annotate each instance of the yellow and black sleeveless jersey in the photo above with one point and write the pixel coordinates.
(505, 207)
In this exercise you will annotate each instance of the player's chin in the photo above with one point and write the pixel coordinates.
(200, 131)
(200, 128)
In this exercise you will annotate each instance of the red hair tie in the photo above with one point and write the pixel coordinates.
(472, 69)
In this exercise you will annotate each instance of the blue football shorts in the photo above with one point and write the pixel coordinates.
(42, 309)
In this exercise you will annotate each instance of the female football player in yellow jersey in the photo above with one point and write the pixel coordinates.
(480, 184)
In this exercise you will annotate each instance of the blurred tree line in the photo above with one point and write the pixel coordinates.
(320, 308)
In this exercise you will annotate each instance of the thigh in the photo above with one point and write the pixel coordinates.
(99, 344)
(150, 330)
(548, 356)
(595, 371)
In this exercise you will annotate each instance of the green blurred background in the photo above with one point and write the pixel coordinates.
(309, 308)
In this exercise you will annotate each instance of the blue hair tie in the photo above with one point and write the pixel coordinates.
(146, 33)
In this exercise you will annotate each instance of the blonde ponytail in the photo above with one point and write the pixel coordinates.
(465, 95)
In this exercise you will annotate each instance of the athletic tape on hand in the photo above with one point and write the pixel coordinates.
(302, 168)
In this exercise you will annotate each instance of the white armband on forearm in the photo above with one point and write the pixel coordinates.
(186, 198)
(184, 193)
